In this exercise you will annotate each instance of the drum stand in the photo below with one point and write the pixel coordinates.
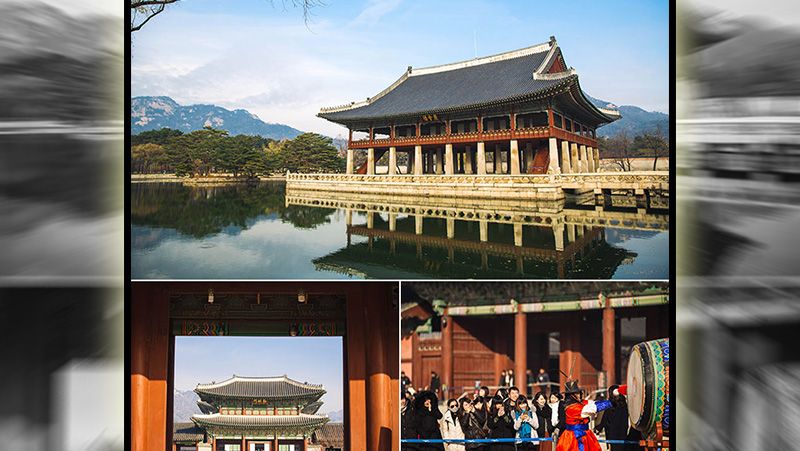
(657, 443)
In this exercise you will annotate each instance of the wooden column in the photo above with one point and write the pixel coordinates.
(392, 160)
(566, 161)
(379, 395)
(513, 160)
(370, 161)
(418, 163)
(275, 443)
(552, 165)
(481, 156)
(349, 161)
(244, 446)
(447, 353)
(356, 390)
(608, 341)
(520, 348)
(149, 369)
(448, 159)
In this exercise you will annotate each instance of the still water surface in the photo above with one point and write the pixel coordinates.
(249, 232)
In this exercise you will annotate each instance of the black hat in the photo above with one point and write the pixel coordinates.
(571, 387)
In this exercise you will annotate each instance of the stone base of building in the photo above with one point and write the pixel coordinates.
(522, 187)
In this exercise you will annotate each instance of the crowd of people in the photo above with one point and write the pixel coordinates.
(508, 413)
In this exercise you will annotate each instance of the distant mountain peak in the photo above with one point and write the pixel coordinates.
(635, 120)
(156, 112)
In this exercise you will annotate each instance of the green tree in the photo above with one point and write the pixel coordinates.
(651, 144)
(160, 136)
(147, 157)
(311, 152)
(195, 153)
(241, 154)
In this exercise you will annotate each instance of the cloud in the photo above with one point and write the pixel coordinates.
(374, 11)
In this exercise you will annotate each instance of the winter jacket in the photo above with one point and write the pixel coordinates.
(451, 428)
(427, 427)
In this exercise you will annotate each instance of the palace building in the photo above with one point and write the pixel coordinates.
(259, 414)
(518, 112)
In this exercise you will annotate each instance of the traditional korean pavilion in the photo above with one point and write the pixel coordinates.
(519, 112)
(259, 413)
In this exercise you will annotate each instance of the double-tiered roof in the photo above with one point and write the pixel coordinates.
(530, 73)
(281, 387)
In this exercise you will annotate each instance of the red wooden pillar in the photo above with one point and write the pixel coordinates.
(520, 348)
(275, 443)
(214, 444)
(244, 446)
(174, 446)
(379, 391)
(149, 369)
(499, 351)
(447, 352)
(608, 341)
(356, 394)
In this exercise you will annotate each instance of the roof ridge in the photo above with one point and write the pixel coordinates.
(511, 54)
(235, 378)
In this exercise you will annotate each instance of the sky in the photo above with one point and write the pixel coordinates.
(316, 360)
(260, 56)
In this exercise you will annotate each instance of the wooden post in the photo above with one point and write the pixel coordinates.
(447, 354)
(356, 394)
(520, 348)
(608, 340)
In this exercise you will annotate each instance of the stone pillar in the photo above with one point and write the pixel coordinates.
(496, 156)
(528, 155)
(349, 161)
(518, 234)
(576, 166)
(570, 233)
(513, 160)
(370, 219)
(597, 159)
(392, 222)
(558, 233)
(392, 160)
(584, 160)
(418, 224)
(451, 228)
(418, 160)
(609, 345)
(439, 160)
(552, 166)
(370, 161)
(520, 349)
(447, 354)
(449, 168)
(590, 159)
(481, 156)
(468, 160)
(566, 161)
(484, 230)
(348, 217)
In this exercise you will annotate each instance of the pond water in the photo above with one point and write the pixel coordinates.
(257, 232)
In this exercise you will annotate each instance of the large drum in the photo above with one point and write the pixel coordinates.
(648, 387)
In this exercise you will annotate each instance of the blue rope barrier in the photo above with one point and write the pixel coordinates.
(505, 440)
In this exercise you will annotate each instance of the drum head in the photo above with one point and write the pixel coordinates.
(635, 386)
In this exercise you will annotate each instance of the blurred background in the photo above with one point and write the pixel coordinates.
(61, 224)
(738, 186)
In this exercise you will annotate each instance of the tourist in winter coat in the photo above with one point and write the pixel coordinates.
(426, 420)
(525, 422)
(615, 420)
(407, 428)
(473, 422)
(451, 427)
(556, 413)
(543, 414)
(501, 425)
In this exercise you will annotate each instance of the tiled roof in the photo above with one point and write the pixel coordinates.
(261, 387)
(187, 433)
(312, 408)
(330, 436)
(259, 421)
(506, 77)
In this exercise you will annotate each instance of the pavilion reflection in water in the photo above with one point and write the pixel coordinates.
(469, 238)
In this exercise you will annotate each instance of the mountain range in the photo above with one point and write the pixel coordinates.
(153, 113)
(634, 120)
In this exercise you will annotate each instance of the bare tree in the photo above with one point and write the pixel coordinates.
(620, 149)
(144, 10)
